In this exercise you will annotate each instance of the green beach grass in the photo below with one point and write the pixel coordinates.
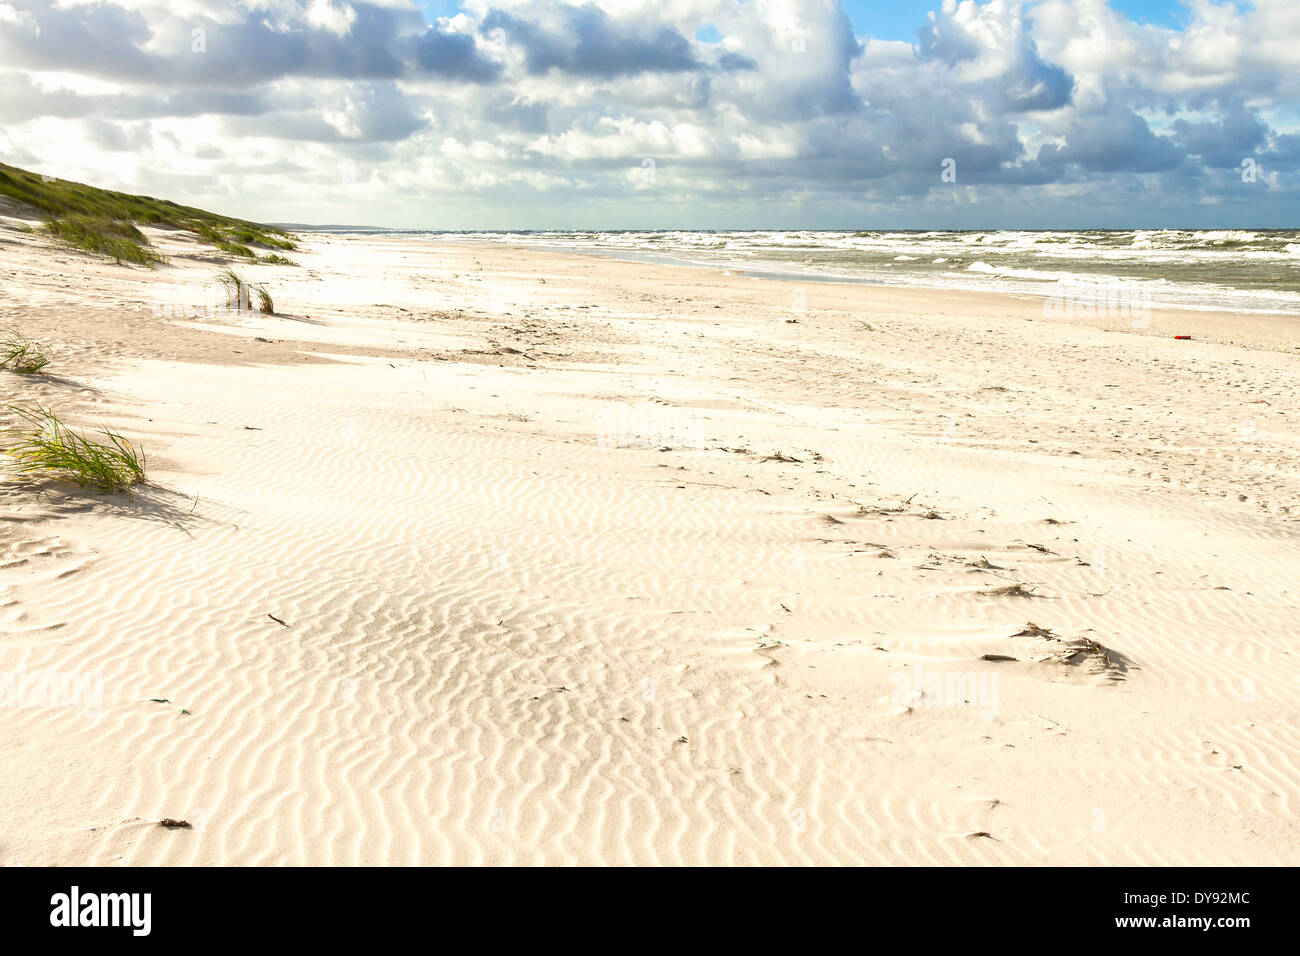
(112, 465)
(105, 222)
(20, 354)
(239, 293)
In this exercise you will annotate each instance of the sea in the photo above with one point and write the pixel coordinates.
(1255, 271)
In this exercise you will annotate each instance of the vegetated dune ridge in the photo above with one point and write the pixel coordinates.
(581, 561)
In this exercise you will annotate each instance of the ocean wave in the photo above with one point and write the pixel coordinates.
(1226, 269)
(1032, 274)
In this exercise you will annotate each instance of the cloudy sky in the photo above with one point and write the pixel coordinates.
(467, 114)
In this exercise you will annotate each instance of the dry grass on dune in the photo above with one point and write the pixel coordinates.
(239, 293)
(20, 354)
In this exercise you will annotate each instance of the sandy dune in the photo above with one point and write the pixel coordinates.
(581, 561)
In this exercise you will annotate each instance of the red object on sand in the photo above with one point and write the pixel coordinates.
(1182, 336)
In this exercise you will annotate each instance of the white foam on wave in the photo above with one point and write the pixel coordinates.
(1032, 274)
(1229, 269)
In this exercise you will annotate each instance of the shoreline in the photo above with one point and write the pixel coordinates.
(1264, 330)
(1134, 292)
(491, 555)
(1272, 331)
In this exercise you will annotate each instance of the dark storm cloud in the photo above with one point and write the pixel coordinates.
(372, 113)
(588, 42)
(1284, 153)
(1222, 143)
(1035, 85)
(452, 55)
(731, 62)
(107, 41)
(1113, 142)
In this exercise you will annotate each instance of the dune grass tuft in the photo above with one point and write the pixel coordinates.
(18, 353)
(239, 293)
(115, 238)
(235, 249)
(265, 305)
(113, 465)
(236, 288)
(225, 242)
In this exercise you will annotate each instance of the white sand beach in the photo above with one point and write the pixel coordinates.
(490, 555)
